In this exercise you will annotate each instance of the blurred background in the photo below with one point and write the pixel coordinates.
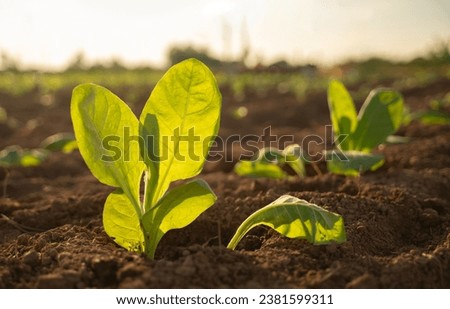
(273, 59)
(54, 35)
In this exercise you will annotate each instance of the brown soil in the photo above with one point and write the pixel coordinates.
(397, 218)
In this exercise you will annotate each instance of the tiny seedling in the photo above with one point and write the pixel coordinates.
(273, 163)
(13, 156)
(295, 218)
(358, 135)
(169, 142)
(64, 142)
(437, 114)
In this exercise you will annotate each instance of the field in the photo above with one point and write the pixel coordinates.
(397, 218)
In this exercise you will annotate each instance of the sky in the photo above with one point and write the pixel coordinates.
(48, 33)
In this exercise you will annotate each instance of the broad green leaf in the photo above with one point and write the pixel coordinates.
(342, 113)
(259, 169)
(16, 156)
(182, 114)
(107, 133)
(175, 210)
(295, 218)
(64, 142)
(380, 116)
(352, 163)
(121, 222)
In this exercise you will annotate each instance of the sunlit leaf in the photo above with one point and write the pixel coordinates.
(295, 218)
(104, 128)
(352, 163)
(342, 113)
(182, 116)
(380, 116)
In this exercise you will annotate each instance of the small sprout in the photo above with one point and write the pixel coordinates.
(358, 135)
(272, 163)
(433, 117)
(169, 142)
(13, 156)
(64, 142)
(295, 218)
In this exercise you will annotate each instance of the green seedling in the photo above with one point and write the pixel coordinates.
(170, 141)
(273, 163)
(358, 135)
(14, 156)
(433, 117)
(436, 114)
(295, 218)
(64, 142)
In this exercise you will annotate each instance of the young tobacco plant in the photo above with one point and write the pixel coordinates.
(295, 218)
(272, 163)
(169, 142)
(358, 135)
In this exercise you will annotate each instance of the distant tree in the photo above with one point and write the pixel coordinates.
(8, 62)
(177, 54)
(78, 62)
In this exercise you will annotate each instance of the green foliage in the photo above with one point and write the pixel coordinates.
(352, 163)
(357, 136)
(64, 142)
(295, 218)
(431, 117)
(185, 103)
(13, 156)
(272, 163)
(437, 114)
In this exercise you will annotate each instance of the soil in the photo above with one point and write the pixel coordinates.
(396, 218)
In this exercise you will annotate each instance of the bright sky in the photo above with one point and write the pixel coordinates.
(50, 32)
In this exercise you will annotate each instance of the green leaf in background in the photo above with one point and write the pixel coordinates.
(342, 113)
(380, 116)
(352, 163)
(175, 210)
(259, 169)
(293, 156)
(64, 142)
(16, 156)
(295, 218)
(186, 106)
(269, 162)
(104, 127)
(433, 117)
